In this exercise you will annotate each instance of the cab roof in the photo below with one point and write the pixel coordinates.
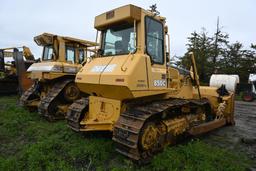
(47, 39)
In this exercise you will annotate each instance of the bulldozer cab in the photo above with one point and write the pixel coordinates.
(130, 30)
(63, 49)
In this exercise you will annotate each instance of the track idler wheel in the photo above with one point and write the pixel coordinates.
(148, 136)
(71, 92)
(149, 141)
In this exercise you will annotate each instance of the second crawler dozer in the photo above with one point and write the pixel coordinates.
(14, 62)
(54, 89)
(147, 103)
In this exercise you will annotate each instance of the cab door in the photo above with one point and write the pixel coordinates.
(71, 65)
(154, 41)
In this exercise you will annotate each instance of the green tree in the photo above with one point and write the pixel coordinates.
(238, 61)
(232, 58)
(207, 50)
(200, 45)
(253, 46)
(214, 54)
(219, 49)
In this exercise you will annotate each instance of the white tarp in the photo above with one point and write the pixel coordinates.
(230, 81)
(252, 77)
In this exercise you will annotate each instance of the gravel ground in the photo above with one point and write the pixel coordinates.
(242, 136)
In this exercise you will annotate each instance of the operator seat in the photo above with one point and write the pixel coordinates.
(119, 47)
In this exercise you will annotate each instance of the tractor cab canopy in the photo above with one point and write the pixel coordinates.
(48, 39)
(62, 48)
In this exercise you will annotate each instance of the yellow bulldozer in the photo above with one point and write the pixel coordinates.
(14, 62)
(54, 89)
(137, 94)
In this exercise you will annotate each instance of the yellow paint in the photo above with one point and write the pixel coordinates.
(102, 111)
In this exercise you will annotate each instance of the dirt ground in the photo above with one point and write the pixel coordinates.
(242, 136)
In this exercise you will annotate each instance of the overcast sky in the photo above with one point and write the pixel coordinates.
(21, 20)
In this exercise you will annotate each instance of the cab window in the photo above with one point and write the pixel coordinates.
(81, 56)
(154, 40)
(70, 54)
(48, 53)
(119, 40)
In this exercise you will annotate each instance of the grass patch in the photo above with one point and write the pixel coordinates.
(28, 142)
(238, 97)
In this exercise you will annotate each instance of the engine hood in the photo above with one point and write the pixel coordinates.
(54, 67)
(113, 76)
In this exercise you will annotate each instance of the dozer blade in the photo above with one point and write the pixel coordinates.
(206, 127)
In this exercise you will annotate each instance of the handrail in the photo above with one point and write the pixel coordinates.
(125, 62)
